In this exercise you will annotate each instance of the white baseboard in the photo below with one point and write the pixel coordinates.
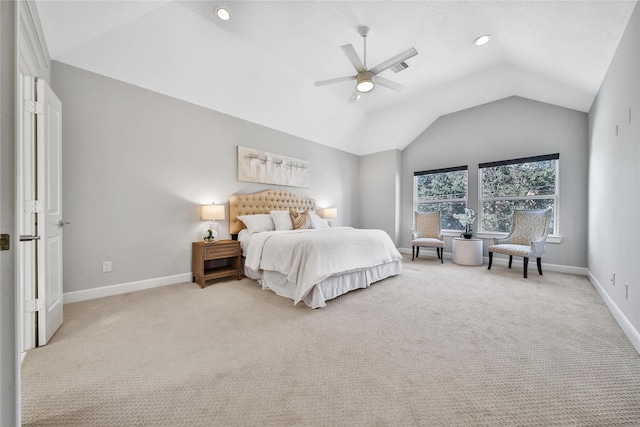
(580, 271)
(106, 291)
(632, 334)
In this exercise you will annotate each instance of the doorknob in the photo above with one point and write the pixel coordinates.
(62, 223)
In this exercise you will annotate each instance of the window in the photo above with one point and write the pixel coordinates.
(443, 190)
(527, 183)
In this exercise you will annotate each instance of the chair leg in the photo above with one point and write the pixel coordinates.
(438, 252)
(417, 251)
(510, 259)
(539, 261)
(490, 260)
(525, 264)
(441, 255)
(413, 252)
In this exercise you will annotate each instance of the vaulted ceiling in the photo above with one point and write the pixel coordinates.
(261, 65)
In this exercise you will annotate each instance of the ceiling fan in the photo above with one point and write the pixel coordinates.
(366, 79)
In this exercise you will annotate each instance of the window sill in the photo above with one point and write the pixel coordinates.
(488, 235)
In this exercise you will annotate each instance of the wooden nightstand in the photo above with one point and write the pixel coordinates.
(215, 260)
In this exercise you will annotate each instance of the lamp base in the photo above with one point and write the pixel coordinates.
(215, 231)
(212, 234)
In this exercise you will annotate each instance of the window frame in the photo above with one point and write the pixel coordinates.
(465, 200)
(554, 235)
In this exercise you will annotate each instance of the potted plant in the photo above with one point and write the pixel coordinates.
(466, 219)
(209, 237)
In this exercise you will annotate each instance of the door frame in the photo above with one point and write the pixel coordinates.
(33, 61)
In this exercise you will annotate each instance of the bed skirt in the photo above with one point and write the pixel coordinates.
(329, 288)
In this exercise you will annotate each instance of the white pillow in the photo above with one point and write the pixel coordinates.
(318, 222)
(282, 220)
(257, 223)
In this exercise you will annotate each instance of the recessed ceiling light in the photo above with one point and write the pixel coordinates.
(482, 40)
(223, 13)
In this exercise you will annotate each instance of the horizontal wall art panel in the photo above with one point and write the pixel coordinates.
(269, 168)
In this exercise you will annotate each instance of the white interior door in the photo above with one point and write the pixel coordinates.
(49, 190)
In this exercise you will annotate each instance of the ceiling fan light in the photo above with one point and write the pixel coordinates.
(223, 13)
(364, 86)
(482, 40)
(365, 82)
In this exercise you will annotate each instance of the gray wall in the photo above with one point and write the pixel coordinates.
(137, 165)
(614, 178)
(380, 192)
(510, 128)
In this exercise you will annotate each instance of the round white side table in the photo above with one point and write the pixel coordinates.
(467, 251)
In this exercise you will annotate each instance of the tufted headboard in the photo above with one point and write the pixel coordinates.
(263, 203)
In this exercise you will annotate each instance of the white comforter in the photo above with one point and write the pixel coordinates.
(307, 257)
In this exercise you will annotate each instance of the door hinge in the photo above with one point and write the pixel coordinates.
(33, 305)
(33, 206)
(34, 107)
(5, 242)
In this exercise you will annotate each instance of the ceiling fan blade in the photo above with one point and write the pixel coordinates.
(395, 60)
(336, 80)
(388, 83)
(353, 57)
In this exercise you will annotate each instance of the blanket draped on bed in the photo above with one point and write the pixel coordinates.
(307, 257)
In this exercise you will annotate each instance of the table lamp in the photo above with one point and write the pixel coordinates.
(212, 213)
(329, 213)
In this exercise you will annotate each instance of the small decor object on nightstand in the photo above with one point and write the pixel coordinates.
(466, 219)
(209, 237)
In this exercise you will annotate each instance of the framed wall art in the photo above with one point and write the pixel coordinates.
(269, 168)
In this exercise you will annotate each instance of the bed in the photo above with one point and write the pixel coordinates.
(306, 265)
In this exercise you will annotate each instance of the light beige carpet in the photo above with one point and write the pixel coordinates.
(441, 345)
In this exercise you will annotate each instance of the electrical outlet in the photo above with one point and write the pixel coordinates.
(106, 266)
(613, 279)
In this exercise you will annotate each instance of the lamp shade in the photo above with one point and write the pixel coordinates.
(212, 212)
(329, 213)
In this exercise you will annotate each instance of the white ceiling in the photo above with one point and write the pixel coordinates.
(261, 65)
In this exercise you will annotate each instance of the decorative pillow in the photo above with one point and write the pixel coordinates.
(282, 220)
(301, 220)
(257, 223)
(317, 221)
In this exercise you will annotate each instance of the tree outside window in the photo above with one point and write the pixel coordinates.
(443, 190)
(528, 183)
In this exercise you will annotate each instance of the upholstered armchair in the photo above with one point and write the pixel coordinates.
(426, 233)
(529, 231)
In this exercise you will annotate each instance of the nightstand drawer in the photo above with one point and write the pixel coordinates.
(222, 251)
